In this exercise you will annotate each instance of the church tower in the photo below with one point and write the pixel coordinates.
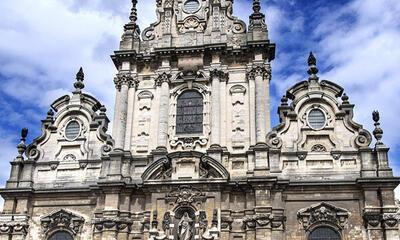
(197, 79)
(192, 155)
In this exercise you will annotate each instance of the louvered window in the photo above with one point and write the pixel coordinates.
(189, 114)
(72, 130)
(324, 233)
(316, 119)
(61, 235)
(191, 6)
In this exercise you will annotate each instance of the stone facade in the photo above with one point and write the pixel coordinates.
(192, 155)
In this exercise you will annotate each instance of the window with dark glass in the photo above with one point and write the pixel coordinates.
(72, 130)
(324, 233)
(61, 235)
(189, 113)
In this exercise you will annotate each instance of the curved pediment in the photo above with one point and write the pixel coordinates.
(185, 165)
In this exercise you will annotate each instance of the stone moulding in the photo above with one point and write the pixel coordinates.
(62, 219)
(323, 214)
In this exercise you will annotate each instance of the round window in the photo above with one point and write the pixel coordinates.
(191, 6)
(72, 130)
(316, 119)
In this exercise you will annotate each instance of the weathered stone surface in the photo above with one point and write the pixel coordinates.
(231, 178)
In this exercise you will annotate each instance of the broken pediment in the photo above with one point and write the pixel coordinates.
(185, 165)
(323, 213)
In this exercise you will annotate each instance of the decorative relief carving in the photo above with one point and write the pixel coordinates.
(62, 220)
(192, 23)
(363, 139)
(318, 148)
(163, 77)
(238, 115)
(145, 103)
(125, 78)
(273, 141)
(323, 213)
(118, 224)
(259, 71)
(69, 158)
(185, 195)
(14, 224)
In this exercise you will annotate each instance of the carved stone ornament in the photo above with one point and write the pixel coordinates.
(391, 220)
(188, 143)
(363, 139)
(192, 23)
(259, 71)
(323, 213)
(273, 141)
(318, 148)
(185, 195)
(372, 218)
(12, 224)
(62, 219)
(112, 223)
(163, 77)
(125, 79)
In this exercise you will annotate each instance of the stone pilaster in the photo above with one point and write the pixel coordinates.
(259, 74)
(130, 113)
(163, 82)
(217, 76)
(123, 82)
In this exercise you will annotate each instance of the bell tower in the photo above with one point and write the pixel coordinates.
(196, 79)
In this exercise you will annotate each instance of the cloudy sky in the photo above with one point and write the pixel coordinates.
(44, 42)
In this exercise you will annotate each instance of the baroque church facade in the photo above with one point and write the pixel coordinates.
(193, 155)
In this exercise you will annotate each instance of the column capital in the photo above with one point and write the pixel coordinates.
(219, 73)
(163, 77)
(259, 70)
(127, 79)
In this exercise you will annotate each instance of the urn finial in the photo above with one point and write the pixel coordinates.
(378, 132)
(312, 68)
(80, 76)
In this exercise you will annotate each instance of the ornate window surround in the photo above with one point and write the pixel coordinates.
(189, 141)
(61, 220)
(323, 215)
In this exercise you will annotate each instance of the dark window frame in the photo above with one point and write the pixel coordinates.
(189, 113)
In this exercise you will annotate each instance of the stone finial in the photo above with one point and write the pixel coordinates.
(378, 132)
(133, 15)
(284, 101)
(103, 110)
(50, 114)
(257, 18)
(256, 6)
(345, 99)
(21, 147)
(132, 26)
(80, 76)
(312, 70)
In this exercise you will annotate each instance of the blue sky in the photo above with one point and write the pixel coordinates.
(43, 43)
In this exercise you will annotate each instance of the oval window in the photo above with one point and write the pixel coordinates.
(316, 119)
(72, 130)
(191, 6)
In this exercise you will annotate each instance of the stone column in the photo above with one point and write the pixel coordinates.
(122, 83)
(130, 113)
(257, 74)
(163, 82)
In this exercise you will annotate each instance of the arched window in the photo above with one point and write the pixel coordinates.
(324, 233)
(61, 235)
(189, 113)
